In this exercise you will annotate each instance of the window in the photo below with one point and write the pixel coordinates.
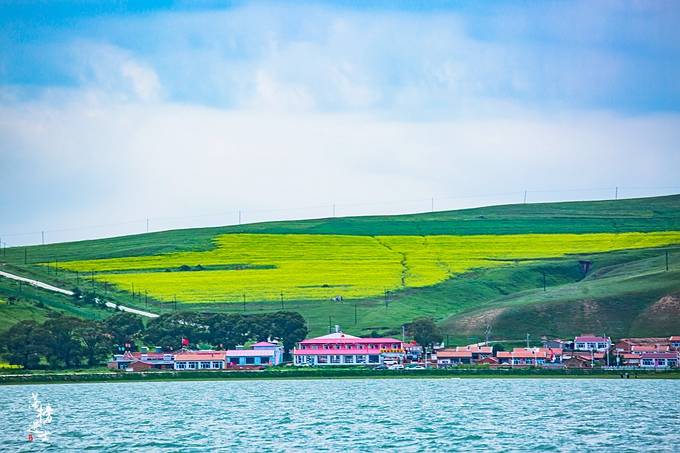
(192, 365)
(217, 365)
(322, 359)
(335, 359)
(205, 365)
(250, 360)
(349, 359)
(648, 362)
(373, 358)
(234, 360)
(181, 365)
(361, 359)
(264, 360)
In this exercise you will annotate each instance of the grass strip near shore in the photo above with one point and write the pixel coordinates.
(286, 373)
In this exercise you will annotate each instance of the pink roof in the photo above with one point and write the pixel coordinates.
(519, 353)
(250, 353)
(199, 355)
(476, 348)
(674, 338)
(453, 354)
(659, 355)
(350, 340)
(649, 348)
(263, 344)
(336, 351)
(591, 339)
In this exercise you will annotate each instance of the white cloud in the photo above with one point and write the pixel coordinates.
(133, 160)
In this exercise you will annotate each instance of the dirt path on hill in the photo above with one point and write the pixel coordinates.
(66, 292)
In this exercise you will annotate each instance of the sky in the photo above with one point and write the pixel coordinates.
(185, 113)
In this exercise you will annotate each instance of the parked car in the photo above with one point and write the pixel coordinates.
(380, 367)
(396, 366)
(415, 367)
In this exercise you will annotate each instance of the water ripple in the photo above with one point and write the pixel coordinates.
(571, 415)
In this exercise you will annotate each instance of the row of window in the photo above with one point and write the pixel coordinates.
(659, 362)
(248, 361)
(198, 365)
(591, 345)
(350, 346)
(337, 359)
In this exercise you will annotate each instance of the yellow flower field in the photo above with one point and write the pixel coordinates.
(312, 267)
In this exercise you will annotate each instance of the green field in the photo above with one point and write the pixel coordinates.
(263, 267)
(468, 269)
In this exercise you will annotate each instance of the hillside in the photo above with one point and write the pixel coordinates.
(468, 268)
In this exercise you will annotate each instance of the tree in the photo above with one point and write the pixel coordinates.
(168, 330)
(26, 343)
(96, 343)
(228, 330)
(65, 347)
(288, 326)
(425, 331)
(123, 327)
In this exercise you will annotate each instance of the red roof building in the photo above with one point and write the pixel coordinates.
(200, 360)
(342, 349)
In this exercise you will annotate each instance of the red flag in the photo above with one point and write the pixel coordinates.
(185, 342)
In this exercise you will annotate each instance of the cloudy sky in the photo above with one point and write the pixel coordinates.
(187, 112)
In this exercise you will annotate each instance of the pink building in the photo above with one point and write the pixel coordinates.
(342, 349)
(659, 359)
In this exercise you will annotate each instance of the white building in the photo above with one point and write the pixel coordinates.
(592, 343)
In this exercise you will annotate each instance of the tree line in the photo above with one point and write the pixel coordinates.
(68, 342)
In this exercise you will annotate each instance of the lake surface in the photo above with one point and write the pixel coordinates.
(350, 415)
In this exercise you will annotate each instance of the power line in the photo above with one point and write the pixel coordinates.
(145, 223)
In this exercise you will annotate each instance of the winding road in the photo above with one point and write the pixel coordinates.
(66, 292)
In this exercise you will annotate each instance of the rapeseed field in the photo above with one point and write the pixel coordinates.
(266, 267)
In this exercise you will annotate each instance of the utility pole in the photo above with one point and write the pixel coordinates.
(147, 224)
(386, 296)
(239, 216)
(281, 300)
(616, 193)
(525, 197)
(544, 288)
(43, 237)
(25, 255)
(528, 340)
(146, 298)
(666, 260)
(432, 204)
(403, 333)
(333, 209)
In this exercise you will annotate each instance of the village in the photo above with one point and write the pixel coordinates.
(338, 349)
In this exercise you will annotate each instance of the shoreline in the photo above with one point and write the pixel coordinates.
(296, 374)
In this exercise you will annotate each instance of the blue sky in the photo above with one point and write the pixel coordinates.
(182, 109)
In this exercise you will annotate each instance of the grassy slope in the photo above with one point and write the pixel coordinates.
(465, 300)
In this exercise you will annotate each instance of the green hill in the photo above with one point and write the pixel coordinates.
(627, 290)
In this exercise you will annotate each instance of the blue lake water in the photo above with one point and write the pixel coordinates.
(351, 415)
